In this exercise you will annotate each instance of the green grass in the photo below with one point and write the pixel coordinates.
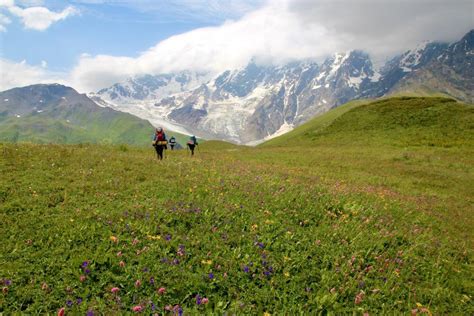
(378, 226)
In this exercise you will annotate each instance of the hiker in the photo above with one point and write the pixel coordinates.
(172, 142)
(192, 142)
(159, 142)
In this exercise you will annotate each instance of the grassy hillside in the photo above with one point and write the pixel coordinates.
(335, 227)
(402, 121)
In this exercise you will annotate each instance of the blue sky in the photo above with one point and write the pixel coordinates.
(92, 44)
(123, 28)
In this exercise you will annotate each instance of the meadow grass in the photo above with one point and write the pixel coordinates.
(251, 230)
(378, 222)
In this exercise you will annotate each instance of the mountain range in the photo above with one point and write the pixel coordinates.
(53, 113)
(258, 102)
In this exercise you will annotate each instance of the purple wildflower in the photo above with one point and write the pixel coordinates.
(198, 300)
(79, 301)
(90, 313)
(246, 269)
(7, 282)
(175, 261)
(211, 275)
(87, 271)
(260, 245)
(69, 303)
(264, 263)
(152, 280)
(85, 264)
(145, 269)
(152, 306)
(168, 237)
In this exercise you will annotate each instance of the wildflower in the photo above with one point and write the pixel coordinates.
(79, 301)
(260, 245)
(7, 282)
(198, 300)
(168, 308)
(267, 314)
(152, 280)
(246, 269)
(119, 254)
(138, 283)
(152, 306)
(87, 271)
(122, 264)
(90, 313)
(168, 237)
(208, 262)
(211, 275)
(137, 308)
(225, 274)
(358, 298)
(61, 311)
(114, 239)
(85, 264)
(69, 303)
(135, 241)
(4, 290)
(205, 300)
(82, 278)
(161, 290)
(44, 286)
(114, 290)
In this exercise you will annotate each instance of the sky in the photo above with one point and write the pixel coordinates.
(92, 44)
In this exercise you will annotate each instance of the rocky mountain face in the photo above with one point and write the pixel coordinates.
(262, 101)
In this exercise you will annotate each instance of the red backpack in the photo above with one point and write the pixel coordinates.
(160, 136)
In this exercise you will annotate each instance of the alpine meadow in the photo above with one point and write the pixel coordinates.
(244, 157)
(378, 224)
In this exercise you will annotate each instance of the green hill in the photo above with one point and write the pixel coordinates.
(401, 121)
(58, 114)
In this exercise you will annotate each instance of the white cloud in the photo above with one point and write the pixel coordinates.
(280, 31)
(40, 18)
(4, 20)
(283, 30)
(33, 16)
(14, 74)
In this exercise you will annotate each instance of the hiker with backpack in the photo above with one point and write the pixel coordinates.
(172, 142)
(159, 142)
(192, 143)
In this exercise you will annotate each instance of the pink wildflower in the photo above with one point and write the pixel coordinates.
(161, 290)
(138, 283)
(358, 298)
(115, 290)
(135, 241)
(82, 278)
(122, 264)
(137, 308)
(205, 300)
(119, 254)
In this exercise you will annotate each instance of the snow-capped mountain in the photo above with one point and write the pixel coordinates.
(258, 102)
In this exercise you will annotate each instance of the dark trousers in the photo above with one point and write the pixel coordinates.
(191, 147)
(159, 151)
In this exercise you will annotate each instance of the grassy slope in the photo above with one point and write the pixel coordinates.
(376, 226)
(317, 124)
(419, 149)
(122, 129)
